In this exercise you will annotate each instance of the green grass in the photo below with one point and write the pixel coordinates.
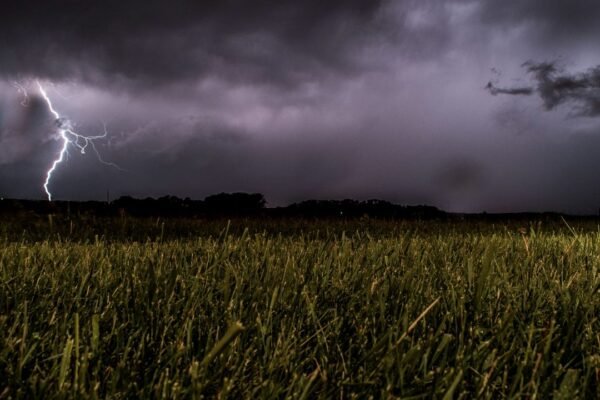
(192, 309)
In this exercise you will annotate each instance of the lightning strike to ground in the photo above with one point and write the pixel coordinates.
(69, 137)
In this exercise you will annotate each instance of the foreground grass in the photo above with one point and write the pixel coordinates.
(448, 312)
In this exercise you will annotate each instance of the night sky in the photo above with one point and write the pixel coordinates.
(466, 105)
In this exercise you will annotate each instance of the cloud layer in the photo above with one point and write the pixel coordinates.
(151, 43)
(308, 99)
(555, 87)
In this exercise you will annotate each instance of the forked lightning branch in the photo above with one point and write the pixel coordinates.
(69, 138)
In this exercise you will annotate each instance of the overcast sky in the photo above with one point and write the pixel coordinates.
(301, 99)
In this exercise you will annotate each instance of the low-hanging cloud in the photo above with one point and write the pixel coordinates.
(556, 87)
(517, 91)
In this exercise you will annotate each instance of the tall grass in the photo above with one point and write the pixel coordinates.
(416, 310)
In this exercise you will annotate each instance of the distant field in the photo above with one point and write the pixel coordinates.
(128, 308)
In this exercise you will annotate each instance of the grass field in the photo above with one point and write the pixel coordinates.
(294, 309)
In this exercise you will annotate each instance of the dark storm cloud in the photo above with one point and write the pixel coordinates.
(556, 87)
(306, 99)
(553, 22)
(155, 42)
(517, 91)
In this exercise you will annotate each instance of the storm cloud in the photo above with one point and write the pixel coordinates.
(307, 99)
(150, 42)
(556, 87)
(516, 91)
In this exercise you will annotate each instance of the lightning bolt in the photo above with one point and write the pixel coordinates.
(69, 137)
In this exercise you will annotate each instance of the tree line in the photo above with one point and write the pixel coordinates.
(222, 204)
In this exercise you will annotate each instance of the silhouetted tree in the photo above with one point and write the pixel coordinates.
(237, 203)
